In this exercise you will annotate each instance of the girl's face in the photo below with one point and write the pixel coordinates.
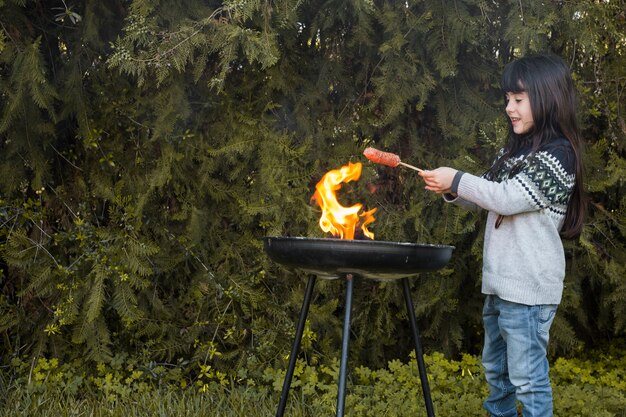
(519, 111)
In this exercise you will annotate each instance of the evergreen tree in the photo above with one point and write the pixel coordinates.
(148, 145)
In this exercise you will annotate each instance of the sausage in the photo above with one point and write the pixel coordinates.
(383, 158)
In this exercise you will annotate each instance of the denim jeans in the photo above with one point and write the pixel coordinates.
(514, 357)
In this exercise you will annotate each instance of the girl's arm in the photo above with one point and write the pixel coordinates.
(544, 183)
(445, 181)
(505, 198)
(439, 180)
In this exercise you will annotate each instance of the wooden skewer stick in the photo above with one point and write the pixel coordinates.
(410, 166)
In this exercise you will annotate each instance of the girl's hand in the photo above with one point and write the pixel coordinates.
(439, 180)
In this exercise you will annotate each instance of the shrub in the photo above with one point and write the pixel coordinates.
(582, 387)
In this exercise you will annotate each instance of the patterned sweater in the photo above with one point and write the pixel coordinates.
(523, 258)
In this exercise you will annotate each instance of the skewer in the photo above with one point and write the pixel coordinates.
(410, 166)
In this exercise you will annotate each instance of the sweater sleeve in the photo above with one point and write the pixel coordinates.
(461, 202)
(546, 182)
(453, 197)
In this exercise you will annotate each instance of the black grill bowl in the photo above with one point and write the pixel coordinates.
(333, 258)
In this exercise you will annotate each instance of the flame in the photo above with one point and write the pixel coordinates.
(336, 219)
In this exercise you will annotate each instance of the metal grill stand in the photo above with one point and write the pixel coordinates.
(341, 393)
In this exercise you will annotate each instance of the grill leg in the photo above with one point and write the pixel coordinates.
(295, 348)
(345, 339)
(419, 354)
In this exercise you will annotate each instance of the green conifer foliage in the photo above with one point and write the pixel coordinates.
(147, 146)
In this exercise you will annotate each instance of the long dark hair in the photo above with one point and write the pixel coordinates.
(553, 100)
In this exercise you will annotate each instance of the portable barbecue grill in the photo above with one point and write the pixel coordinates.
(337, 258)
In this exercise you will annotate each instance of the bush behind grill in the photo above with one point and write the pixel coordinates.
(146, 150)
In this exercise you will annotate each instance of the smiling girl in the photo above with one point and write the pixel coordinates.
(534, 196)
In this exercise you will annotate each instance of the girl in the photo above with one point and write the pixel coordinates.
(534, 196)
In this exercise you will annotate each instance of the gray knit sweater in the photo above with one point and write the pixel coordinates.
(523, 259)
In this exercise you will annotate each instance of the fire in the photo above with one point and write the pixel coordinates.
(336, 219)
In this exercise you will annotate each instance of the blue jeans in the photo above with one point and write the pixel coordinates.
(514, 357)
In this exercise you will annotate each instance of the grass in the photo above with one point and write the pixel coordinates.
(240, 402)
(259, 403)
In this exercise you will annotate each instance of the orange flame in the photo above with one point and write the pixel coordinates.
(336, 219)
